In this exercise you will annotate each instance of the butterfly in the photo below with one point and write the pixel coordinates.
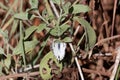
(58, 49)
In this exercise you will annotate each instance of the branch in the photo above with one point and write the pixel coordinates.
(19, 75)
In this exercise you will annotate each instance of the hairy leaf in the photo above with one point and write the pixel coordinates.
(33, 3)
(14, 27)
(28, 45)
(7, 61)
(90, 33)
(58, 31)
(1, 70)
(22, 16)
(29, 31)
(56, 1)
(78, 8)
(45, 70)
(66, 7)
(67, 39)
(1, 50)
(4, 35)
(41, 27)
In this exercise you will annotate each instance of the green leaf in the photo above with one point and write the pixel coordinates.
(66, 7)
(45, 69)
(7, 61)
(14, 27)
(1, 70)
(22, 16)
(78, 8)
(1, 51)
(28, 45)
(5, 35)
(30, 31)
(56, 1)
(58, 31)
(41, 27)
(33, 3)
(17, 49)
(67, 39)
(90, 33)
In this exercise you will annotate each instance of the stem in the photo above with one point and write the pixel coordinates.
(22, 43)
(41, 17)
(47, 5)
(76, 60)
(113, 20)
(71, 46)
(19, 75)
(107, 39)
(9, 12)
(117, 74)
(116, 64)
(54, 9)
(7, 24)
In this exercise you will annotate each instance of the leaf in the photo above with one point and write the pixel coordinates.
(33, 3)
(89, 32)
(66, 7)
(56, 1)
(1, 70)
(67, 39)
(58, 31)
(49, 11)
(17, 49)
(30, 31)
(78, 8)
(28, 45)
(4, 34)
(44, 69)
(22, 16)
(14, 27)
(7, 61)
(1, 51)
(41, 27)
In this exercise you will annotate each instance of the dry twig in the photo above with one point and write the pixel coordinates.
(113, 20)
(19, 75)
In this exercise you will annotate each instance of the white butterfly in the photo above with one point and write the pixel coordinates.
(58, 49)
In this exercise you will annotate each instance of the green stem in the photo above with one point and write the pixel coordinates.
(22, 44)
(117, 74)
(41, 17)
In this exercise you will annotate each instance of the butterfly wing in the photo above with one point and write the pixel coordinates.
(59, 49)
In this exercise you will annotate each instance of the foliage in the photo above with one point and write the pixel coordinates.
(46, 66)
(57, 28)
